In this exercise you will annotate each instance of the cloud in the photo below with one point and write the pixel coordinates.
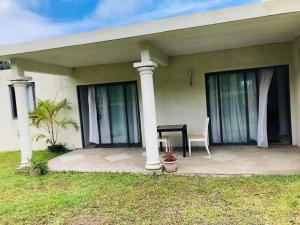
(109, 12)
(21, 22)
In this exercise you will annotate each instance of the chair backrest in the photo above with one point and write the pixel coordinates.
(205, 128)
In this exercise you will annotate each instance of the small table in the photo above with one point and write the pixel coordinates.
(175, 128)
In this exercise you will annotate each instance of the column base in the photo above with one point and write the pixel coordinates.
(157, 166)
(23, 168)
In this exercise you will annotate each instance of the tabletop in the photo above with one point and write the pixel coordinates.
(171, 127)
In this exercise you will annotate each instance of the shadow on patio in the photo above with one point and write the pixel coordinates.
(231, 160)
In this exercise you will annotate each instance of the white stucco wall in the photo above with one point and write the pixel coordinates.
(47, 86)
(176, 101)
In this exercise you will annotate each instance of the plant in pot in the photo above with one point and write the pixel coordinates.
(47, 116)
(37, 168)
(170, 161)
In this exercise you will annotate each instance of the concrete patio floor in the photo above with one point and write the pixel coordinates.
(231, 160)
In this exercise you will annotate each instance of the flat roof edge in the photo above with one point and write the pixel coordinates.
(244, 12)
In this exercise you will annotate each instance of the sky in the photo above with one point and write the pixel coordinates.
(26, 20)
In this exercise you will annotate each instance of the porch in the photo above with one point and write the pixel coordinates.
(169, 85)
(231, 160)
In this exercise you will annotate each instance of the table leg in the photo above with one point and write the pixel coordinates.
(183, 143)
(186, 140)
(160, 144)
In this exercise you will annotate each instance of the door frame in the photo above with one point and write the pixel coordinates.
(117, 145)
(220, 73)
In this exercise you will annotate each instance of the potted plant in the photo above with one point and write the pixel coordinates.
(170, 161)
(47, 116)
(37, 168)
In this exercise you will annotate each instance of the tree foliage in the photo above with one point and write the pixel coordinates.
(4, 65)
(47, 116)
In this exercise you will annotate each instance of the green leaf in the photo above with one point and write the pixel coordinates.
(48, 115)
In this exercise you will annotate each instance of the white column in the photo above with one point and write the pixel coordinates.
(145, 70)
(20, 82)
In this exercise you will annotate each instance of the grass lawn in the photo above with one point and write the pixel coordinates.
(81, 198)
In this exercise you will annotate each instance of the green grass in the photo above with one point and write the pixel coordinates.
(98, 198)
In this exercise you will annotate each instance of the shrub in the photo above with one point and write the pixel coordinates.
(41, 167)
(47, 116)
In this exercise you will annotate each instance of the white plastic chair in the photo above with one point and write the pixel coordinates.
(200, 138)
(164, 140)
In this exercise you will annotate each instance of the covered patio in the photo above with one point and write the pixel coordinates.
(140, 76)
(231, 160)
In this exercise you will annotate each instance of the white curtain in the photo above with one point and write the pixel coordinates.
(118, 114)
(103, 108)
(93, 123)
(214, 109)
(132, 113)
(252, 105)
(265, 81)
(233, 113)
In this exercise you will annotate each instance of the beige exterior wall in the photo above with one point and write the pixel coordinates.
(188, 104)
(176, 101)
(46, 86)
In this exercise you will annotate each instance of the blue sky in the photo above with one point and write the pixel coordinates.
(25, 20)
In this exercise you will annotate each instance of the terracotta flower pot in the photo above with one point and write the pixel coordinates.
(35, 172)
(170, 167)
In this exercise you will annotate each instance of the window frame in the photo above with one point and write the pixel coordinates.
(221, 73)
(112, 145)
(13, 103)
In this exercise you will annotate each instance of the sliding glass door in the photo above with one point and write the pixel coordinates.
(233, 106)
(230, 106)
(117, 115)
(233, 113)
(103, 118)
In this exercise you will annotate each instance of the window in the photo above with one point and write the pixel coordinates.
(30, 98)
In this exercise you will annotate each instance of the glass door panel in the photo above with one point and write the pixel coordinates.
(103, 115)
(278, 119)
(233, 99)
(118, 114)
(252, 99)
(233, 110)
(132, 114)
(214, 109)
(111, 112)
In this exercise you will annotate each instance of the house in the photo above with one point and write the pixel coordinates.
(239, 66)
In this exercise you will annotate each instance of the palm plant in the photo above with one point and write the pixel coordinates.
(47, 116)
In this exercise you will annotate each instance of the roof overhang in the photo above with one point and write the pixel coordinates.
(262, 23)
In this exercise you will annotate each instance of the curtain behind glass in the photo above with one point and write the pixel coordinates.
(93, 122)
(232, 91)
(214, 109)
(118, 113)
(102, 103)
(252, 105)
(132, 114)
(84, 105)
